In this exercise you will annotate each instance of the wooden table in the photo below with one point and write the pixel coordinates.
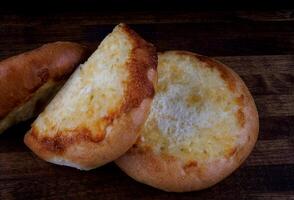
(257, 45)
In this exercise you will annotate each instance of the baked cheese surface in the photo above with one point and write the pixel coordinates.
(194, 115)
(93, 94)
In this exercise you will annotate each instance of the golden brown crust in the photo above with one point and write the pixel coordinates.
(225, 72)
(92, 153)
(143, 58)
(122, 124)
(22, 75)
(174, 174)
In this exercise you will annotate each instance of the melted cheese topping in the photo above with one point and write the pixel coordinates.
(193, 115)
(93, 93)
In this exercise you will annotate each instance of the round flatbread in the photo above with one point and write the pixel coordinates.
(202, 125)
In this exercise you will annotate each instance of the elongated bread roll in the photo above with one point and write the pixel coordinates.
(96, 116)
(202, 125)
(29, 80)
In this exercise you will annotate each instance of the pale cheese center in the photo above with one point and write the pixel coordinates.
(193, 112)
(93, 92)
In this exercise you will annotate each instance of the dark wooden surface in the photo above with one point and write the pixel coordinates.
(259, 45)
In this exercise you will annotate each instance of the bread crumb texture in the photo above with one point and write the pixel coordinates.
(97, 96)
(194, 115)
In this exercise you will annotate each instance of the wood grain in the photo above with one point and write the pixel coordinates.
(273, 152)
(28, 31)
(258, 45)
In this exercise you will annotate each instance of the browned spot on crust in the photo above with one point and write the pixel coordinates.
(192, 100)
(63, 140)
(241, 117)
(190, 164)
(144, 58)
(228, 78)
(106, 121)
(141, 149)
(240, 100)
(224, 73)
(240, 114)
(210, 63)
(231, 152)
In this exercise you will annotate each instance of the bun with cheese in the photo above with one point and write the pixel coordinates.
(202, 125)
(96, 116)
